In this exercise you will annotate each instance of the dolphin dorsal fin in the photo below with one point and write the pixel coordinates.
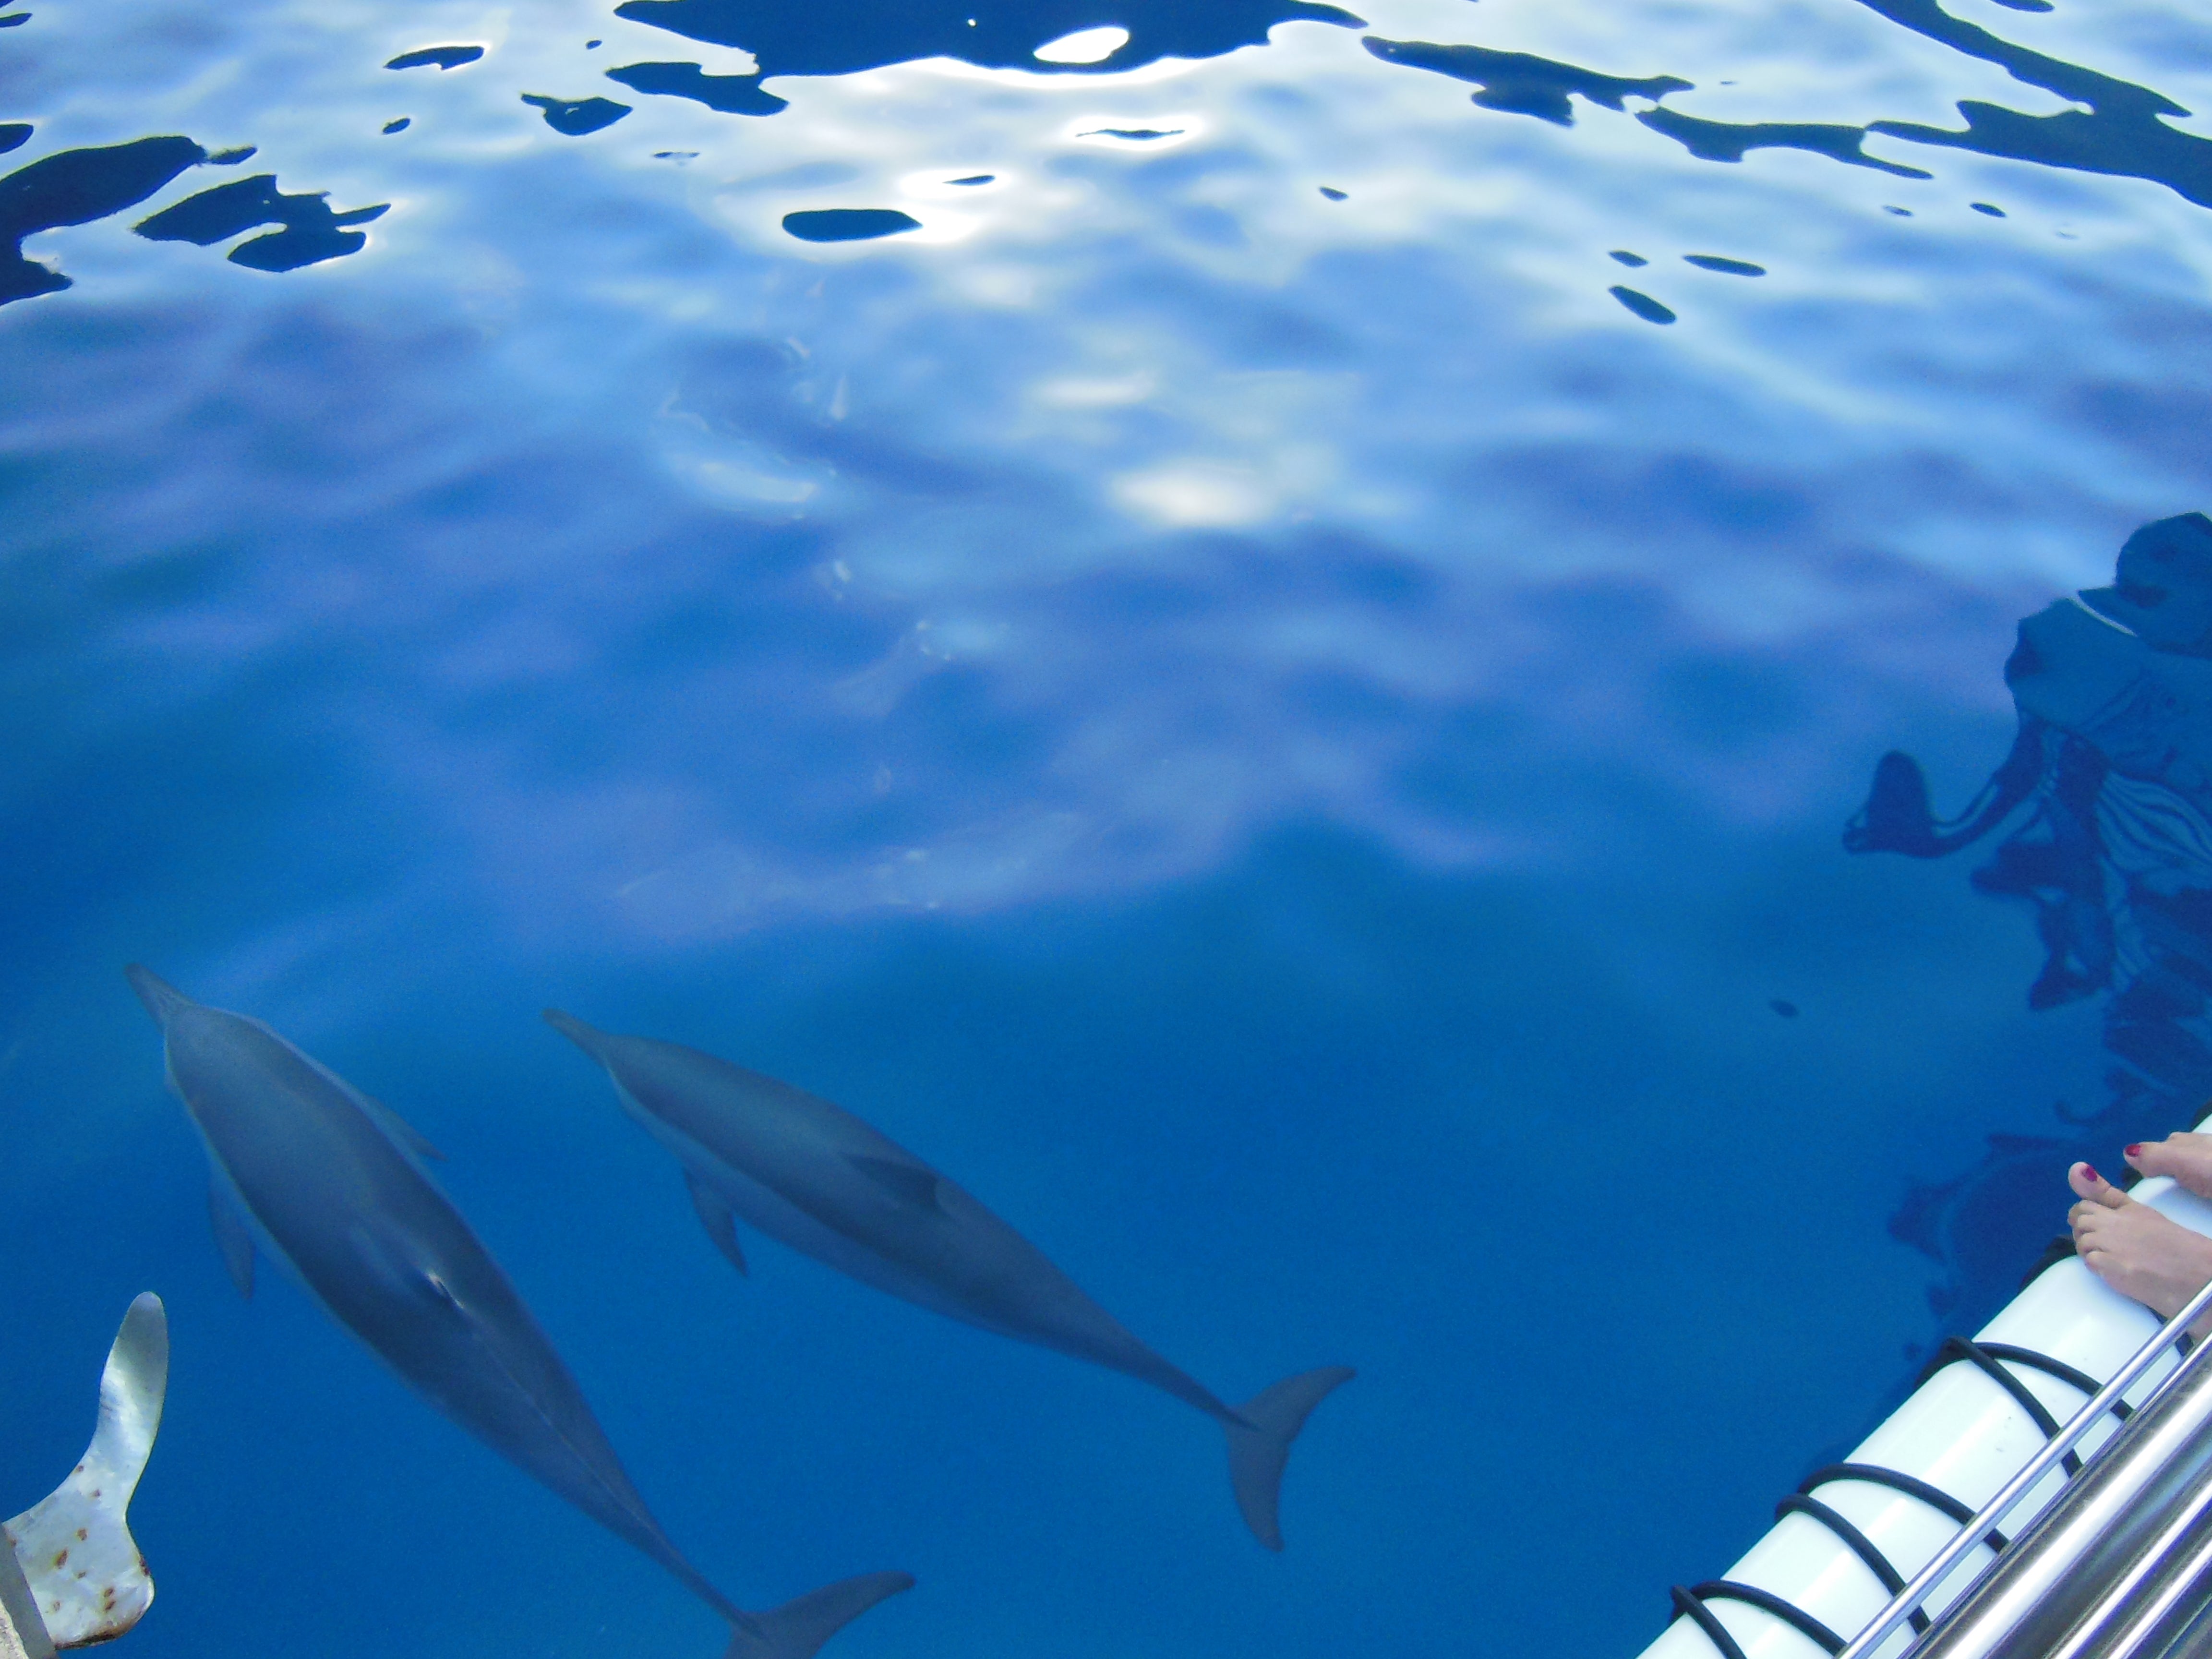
(397, 1128)
(909, 1183)
(409, 1138)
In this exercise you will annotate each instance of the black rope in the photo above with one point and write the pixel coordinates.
(1991, 1360)
(1701, 1616)
(1956, 1348)
(2058, 1368)
(1860, 1546)
(1719, 1590)
(1874, 1474)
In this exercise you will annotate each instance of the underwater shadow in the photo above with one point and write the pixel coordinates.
(2105, 802)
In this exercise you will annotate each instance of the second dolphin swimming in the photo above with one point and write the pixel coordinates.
(811, 1175)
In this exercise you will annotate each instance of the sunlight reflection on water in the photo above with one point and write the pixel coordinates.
(1240, 479)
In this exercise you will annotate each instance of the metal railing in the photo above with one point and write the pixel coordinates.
(2117, 1559)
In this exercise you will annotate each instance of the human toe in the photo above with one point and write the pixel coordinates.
(2187, 1158)
(2092, 1188)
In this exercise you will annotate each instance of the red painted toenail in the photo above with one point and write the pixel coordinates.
(2133, 1150)
(2090, 1171)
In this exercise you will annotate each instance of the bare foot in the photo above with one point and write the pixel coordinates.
(2137, 1251)
(2186, 1157)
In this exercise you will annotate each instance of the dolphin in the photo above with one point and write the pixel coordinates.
(329, 1184)
(814, 1176)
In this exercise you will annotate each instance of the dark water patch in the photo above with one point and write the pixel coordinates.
(1787, 1009)
(1984, 207)
(676, 155)
(2080, 142)
(2107, 792)
(1730, 140)
(841, 37)
(1624, 257)
(2120, 133)
(231, 158)
(14, 135)
(1333, 195)
(849, 224)
(75, 187)
(1726, 267)
(593, 45)
(2027, 5)
(1983, 1226)
(580, 116)
(308, 231)
(974, 178)
(400, 126)
(13, 18)
(444, 58)
(291, 250)
(1902, 213)
(730, 95)
(1140, 134)
(1521, 84)
(1641, 304)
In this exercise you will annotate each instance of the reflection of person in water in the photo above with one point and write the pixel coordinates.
(2100, 821)
(2131, 1246)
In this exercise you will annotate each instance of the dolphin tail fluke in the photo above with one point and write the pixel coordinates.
(162, 999)
(797, 1629)
(1257, 1453)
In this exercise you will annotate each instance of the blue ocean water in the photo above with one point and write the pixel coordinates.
(1257, 632)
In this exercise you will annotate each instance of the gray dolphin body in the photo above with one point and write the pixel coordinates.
(814, 1176)
(326, 1181)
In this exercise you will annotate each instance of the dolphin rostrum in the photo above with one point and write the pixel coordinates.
(329, 1184)
(811, 1173)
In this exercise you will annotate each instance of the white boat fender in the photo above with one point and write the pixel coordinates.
(1852, 1534)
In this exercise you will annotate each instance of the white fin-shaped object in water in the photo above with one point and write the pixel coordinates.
(87, 1580)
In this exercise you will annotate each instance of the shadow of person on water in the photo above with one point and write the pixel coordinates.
(2105, 803)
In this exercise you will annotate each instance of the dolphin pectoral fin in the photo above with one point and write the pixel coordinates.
(909, 1183)
(231, 1236)
(797, 1629)
(714, 1215)
(1258, 1453)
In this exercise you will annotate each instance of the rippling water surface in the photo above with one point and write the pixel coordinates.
(1252, 628)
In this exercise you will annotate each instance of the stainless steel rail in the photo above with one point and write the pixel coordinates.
(2129, 1470)
(2115, 1555)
